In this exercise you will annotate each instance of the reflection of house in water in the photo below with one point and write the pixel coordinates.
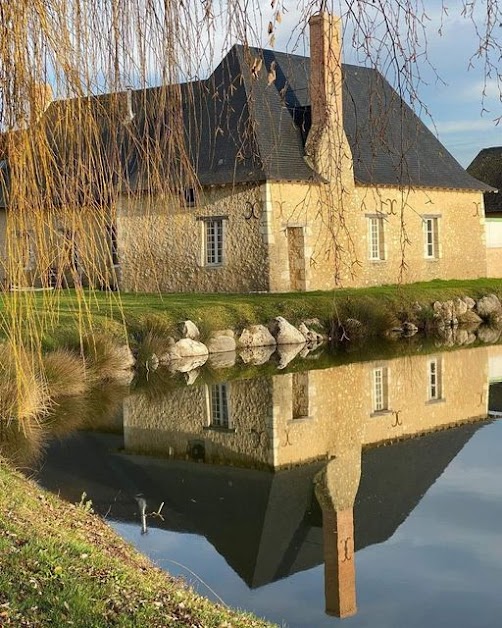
(312, 428)
(284, 420)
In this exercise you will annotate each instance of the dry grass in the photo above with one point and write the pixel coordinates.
(106, 360)
(61, 565)
(64, 373)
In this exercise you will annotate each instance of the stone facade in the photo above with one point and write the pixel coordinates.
(336, 236)
(162, 242)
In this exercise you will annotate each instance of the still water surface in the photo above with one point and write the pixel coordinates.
(369, 490)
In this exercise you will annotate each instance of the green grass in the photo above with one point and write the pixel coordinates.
(66, 317)
(61, 566)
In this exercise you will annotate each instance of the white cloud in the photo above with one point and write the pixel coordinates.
(464, 126)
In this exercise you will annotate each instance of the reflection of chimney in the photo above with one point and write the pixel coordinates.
(326, 142)
(339, 562)
(40, 98)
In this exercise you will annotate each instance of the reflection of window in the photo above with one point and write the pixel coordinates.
(300, 395)
(380, 389)
(435, 373)
(431, 238)
(213, 235)
(376, 238)
(218, 406)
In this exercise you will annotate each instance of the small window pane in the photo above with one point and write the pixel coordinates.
(380, 389)
(214, 241)
(220, 416)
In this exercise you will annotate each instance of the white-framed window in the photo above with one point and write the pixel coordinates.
(219, 410)
(435, 377)
(213, 241)
(380, 389)
(376, 237)
(431, 233)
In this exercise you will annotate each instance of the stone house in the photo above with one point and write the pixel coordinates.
(277, 173)
(487, 167)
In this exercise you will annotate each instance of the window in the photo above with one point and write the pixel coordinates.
(218, 406)
(431, 238)
(300, 395)
(189, 197)
(435, 372)
(213, 228)
(376, 238)
(380, 389)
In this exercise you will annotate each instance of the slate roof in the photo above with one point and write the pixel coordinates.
(487, 167)
(237, 128)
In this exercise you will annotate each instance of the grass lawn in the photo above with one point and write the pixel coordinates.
(62, 566)
(61, 315)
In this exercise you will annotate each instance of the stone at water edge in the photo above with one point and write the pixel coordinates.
(256, 336)
(184, 348)
(488, 306)
(285, 333)
(221, 341)
(190, 330)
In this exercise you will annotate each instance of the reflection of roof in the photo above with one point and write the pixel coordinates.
(266, 525)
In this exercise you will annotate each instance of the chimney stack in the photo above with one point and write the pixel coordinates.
(339, 562)
(326, 144)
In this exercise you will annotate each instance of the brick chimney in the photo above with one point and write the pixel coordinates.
(326, 144)
(339, 562)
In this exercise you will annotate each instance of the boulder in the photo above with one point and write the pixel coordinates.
(191, 376)
(185, 365)
(222, 360)
(471, 303)
(285, 333)
(487, 334)
(256, 355)
(488, 306)
(287, 353)
(221, 341)
(256, 336)
(464, 337)
(459, 307)
(444, 313)
(469, 317)
(184, 348)
(189, 330)
(312, 338)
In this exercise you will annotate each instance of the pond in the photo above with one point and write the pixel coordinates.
(364, 490)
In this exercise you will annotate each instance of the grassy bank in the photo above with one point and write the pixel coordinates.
(61, 566)
(138, 314)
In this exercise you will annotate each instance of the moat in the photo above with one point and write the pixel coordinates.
(367, 490)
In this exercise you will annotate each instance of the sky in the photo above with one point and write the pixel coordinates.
(456, 112)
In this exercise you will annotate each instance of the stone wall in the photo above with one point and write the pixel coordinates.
(161, 243)
(328, 216)
(175, 424)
